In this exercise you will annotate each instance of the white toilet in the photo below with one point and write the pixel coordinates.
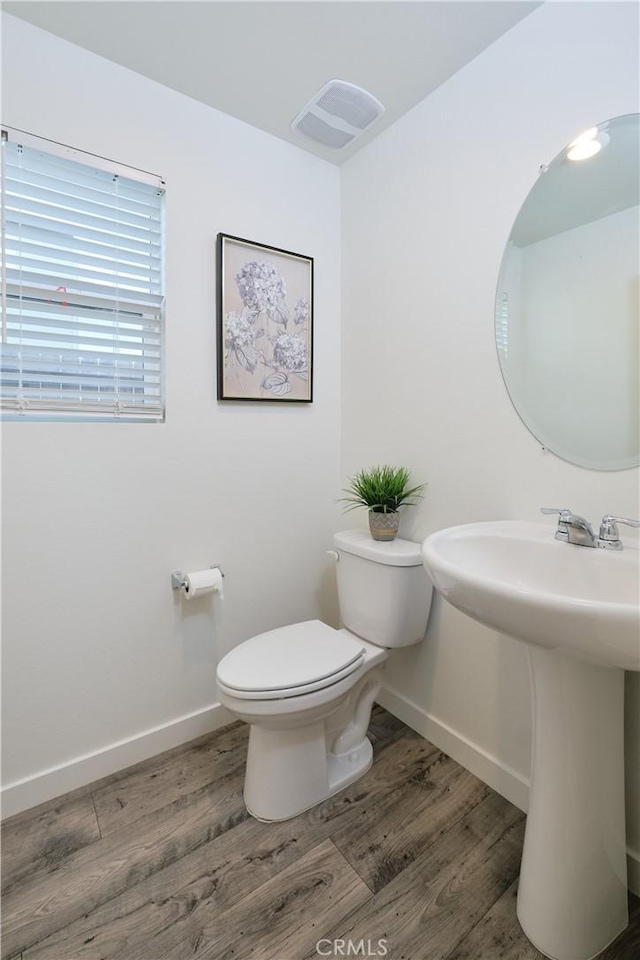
(307, 689)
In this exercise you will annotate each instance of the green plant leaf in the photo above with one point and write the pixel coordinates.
(381, 489)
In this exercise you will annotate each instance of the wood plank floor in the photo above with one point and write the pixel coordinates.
(162, 862)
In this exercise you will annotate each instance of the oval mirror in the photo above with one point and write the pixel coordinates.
(567, 303)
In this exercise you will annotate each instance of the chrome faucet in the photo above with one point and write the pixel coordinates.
(609, 537)
(575, 529)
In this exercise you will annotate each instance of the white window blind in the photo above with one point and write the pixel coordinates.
(82, 288)
(502, 328)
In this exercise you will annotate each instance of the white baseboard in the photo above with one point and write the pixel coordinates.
(486, 767)
(492, 771)
(53, 782)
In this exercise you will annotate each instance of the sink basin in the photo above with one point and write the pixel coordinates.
(515, 577)
(578, 611)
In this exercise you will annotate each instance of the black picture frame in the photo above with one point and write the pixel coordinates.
(264, 322)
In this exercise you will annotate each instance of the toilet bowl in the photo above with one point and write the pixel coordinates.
(307, 689)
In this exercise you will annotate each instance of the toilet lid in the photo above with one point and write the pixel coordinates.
(290, 661)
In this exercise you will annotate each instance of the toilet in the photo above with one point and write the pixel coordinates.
(307, 689)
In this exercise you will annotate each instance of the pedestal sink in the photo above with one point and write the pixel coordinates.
(578, 609)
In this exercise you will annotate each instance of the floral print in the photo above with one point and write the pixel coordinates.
(240, 338)
(262, 289)
(301, 312)
(277, 384)
(257, 338)
(290, 352)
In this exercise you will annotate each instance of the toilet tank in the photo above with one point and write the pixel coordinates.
(383, 588)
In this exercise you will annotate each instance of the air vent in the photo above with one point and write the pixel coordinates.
(337, 114)
(316, 129)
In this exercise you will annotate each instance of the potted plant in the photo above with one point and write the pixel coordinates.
(382, 490)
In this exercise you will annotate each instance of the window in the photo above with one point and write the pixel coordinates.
(82, 286)
(502, 328)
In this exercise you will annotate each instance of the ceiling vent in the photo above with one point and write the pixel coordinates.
(337, 114)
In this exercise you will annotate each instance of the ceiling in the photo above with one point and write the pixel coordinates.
(262, 61)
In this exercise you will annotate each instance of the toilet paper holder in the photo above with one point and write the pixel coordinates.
(178, 579)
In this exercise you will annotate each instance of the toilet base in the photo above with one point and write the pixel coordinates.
(304, 749)
(297, 760)
(341, 770)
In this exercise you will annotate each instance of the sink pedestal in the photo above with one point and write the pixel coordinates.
(572, 896)
(579, 610)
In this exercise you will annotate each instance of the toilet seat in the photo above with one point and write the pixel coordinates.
(289, 662)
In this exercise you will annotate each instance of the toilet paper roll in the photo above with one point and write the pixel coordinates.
(203, 581)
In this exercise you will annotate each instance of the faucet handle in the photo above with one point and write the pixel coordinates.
(562, 532)
(609, 528)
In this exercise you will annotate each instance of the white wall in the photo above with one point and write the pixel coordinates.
(97, 649)
(427, 209)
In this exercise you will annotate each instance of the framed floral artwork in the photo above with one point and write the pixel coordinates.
(265, 322)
